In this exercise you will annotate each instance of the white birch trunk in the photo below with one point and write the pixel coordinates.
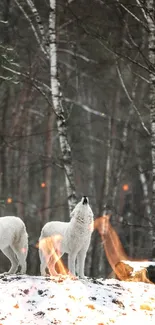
(147, 205)
(151, 45)
(24, 169)
(51, 54)
(145, 192)
(48, 170)
(91, 191)
(108, 163)
(58, 109)
(144, 184)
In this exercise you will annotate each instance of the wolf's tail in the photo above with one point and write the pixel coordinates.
(23, 240)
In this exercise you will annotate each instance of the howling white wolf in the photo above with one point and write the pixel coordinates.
(71, 237)
(14, 243)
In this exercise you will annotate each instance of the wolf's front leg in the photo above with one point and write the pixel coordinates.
(71, 263)
(81, 263)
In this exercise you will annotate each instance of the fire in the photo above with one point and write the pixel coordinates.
(112, 245)
(51, 248)
(115, 253)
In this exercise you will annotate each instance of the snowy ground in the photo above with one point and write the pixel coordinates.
(43, 301)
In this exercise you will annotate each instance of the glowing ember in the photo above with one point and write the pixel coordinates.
(43, 185)
(125, 187)
(9, 200)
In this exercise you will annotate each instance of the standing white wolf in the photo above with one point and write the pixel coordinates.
(71, 237)
(14, 242)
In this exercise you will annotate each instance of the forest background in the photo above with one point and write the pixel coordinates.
(77, 117)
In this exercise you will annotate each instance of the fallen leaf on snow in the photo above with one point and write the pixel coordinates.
(90, 306)
(16, 306)
(72, 297)
(146, 307)
(68, 310)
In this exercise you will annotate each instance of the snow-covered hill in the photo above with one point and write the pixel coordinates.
(62, 300)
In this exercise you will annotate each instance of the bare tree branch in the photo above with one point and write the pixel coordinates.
(130, 99)
(38, 21)
(132, 14)
(142, 9)
(32, 26)
(85, 107)
(83, 57)
(3, 21)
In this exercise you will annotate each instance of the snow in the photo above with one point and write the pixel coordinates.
(63, 300)
(138, 265)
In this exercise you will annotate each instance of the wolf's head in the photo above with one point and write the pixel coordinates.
(83, 213)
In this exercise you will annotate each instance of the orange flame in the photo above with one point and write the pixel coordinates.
(115, 252)
(51, 248)
(112, 245)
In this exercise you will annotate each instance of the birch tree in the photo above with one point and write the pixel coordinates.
(50, 52)
(48, 170)
(59, 110)
(69, 57)
(151, 49)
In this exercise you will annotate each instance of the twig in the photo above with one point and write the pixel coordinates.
(32, 26)
(130, 99)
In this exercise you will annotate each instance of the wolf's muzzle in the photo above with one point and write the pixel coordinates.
(85, 200)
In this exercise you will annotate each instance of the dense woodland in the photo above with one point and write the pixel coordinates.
(77, 117)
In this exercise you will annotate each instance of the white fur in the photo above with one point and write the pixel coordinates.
(71, 237)
(14, 243)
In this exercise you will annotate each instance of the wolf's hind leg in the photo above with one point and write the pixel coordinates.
(42, 263)
(21, 250)
(21, 256)
(9, 253)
